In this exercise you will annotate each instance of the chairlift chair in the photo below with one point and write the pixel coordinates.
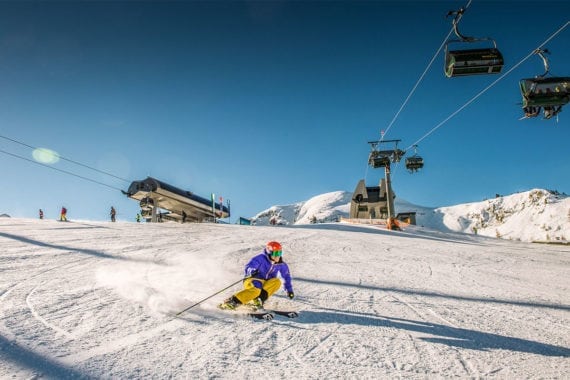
(414, 163)
(383, 158)
(463, 62)
(542, 91)
(472, 61)
(378, 160)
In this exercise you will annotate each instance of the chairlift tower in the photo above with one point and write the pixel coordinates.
(384, 158)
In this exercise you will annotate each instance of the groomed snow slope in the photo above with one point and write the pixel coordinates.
(93, 299)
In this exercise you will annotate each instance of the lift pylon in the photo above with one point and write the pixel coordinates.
(383, 159)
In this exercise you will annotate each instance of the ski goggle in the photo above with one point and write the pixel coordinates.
(276, 253)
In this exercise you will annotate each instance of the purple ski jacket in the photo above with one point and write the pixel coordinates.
(267, 269)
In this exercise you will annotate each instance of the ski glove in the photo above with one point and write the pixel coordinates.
(251, 272)
(290, 295)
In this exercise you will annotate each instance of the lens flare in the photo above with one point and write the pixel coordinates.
(45, 156)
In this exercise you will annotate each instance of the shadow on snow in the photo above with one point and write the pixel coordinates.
(440, 295)
(91, 252)
(24, 358)
(448, 335)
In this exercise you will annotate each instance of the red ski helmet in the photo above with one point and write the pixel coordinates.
(274, 249)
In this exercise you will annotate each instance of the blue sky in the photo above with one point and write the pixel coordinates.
(267, 103)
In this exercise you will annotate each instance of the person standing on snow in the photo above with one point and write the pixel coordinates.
(63, 215)
(261, 280)
(113, 214)
(41, 213)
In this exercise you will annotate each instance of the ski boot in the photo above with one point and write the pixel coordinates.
(230, 304)
(256, 303)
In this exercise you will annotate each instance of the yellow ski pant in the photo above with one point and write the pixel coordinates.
(250, 292)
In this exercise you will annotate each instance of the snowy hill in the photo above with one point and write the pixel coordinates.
(326, 207)
(535, 215)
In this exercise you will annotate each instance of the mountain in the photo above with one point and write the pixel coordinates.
(326, 207)
(536, 215)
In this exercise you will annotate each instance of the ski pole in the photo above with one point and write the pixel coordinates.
(215, 294)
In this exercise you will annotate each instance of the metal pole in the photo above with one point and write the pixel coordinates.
(214, 207)
(215, 294)
(389, 192)
(154, 215)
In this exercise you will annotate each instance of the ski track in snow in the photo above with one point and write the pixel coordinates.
(95, 300)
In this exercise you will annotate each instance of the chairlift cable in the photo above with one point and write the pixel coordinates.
(415, 86)
(491, 85)
(422, 76)
(444, 42)
(59, 170)
(67, 159)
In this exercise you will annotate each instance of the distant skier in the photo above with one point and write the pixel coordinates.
(41, 214)
(138, 218)
(63, 215)
(261, 280)
(113, 214)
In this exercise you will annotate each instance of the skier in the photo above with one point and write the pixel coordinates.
(41, 213)
(113, 213)
(261, 280)
(63, 215)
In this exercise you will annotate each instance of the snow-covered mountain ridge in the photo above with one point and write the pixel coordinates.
(535, 215)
